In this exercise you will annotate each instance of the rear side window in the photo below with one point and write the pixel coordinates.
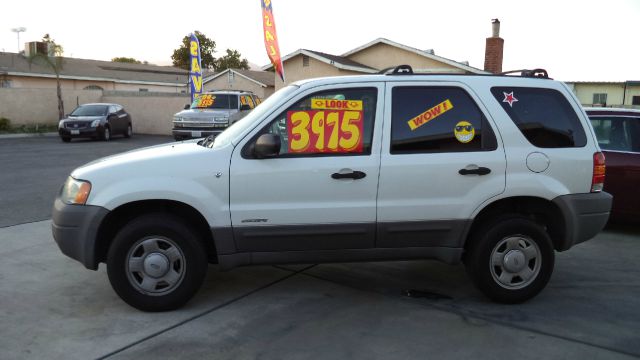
(436, 120)
(617, 133)
(544, 116)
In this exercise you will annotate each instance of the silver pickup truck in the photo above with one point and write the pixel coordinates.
(211, 113)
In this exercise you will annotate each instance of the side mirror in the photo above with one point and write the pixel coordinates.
(267, 145)
(187, 106)
(245, 107)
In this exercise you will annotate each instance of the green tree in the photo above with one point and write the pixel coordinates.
(54, 60)
(180, 55)
(232, 61)
(126, 60)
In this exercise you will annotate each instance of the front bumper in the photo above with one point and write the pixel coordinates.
(84, 132)
(585, 216)
(75, 229)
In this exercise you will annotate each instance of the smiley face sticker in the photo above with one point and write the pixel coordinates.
(464, 132)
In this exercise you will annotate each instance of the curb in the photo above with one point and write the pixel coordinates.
(23, 135)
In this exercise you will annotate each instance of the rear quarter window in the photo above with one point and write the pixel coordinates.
(544, 116)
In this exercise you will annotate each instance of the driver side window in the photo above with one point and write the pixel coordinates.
(334, 122)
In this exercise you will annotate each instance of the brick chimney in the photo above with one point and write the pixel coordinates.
(493, 50)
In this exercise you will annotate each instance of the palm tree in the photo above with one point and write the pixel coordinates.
(54, 60)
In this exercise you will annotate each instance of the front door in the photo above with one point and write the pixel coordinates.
(441, 162)
(319, 192)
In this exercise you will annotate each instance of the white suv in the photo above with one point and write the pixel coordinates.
(495, 171)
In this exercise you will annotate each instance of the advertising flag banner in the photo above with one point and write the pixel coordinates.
(195, 72)
(271, 38)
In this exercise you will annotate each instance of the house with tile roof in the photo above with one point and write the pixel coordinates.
(16, 71)
(369, 58)
(260, 83)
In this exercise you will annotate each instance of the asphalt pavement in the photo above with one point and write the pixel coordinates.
(52, 307)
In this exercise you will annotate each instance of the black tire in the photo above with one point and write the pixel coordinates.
(171, 262)
(106, 134)
(511, 259)
(65, 139)
(129, 132)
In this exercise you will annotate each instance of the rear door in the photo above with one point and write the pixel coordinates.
(441, 162)
(619, 138)
(319, 192)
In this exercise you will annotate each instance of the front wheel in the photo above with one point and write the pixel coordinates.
(106, 135)
(510, 260)
(156, 263)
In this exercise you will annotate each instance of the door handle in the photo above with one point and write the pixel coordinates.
(352, 175)
(478, 171)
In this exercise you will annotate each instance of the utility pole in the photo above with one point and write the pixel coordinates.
(18, 30)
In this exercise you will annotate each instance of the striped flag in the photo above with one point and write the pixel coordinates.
(270, 37)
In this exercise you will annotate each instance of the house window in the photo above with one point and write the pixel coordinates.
(305, 60)
(230, 77)
(143, 90)
(5, 83)
(635, 100)
(600, 99)
(93, 87)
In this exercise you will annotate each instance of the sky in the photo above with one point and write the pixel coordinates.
(573, 40)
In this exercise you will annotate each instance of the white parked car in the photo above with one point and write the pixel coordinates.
(496, 171)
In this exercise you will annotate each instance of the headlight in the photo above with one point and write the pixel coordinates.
(177, 118)
(75, 191)
(60, 124)
(95, 123)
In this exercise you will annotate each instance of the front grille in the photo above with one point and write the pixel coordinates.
(76, 125)
(194, 124)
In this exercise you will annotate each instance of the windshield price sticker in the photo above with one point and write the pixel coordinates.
(330, 104)
(325, 131)
(430, 114)
(205, 100)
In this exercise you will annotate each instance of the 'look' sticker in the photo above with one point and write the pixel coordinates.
(430, 114)
(332, 104)
(464, 132)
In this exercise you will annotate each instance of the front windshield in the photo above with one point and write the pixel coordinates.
(232, 132)
(90, 110)
(215, 101)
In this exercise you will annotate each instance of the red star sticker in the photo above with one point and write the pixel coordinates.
(509, 98)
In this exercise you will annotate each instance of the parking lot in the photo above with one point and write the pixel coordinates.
(51, 307)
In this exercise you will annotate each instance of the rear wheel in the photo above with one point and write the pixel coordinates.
(156, 263)
(511, 259)
(129, 132)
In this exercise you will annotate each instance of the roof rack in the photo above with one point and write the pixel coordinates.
(536, 73)
(397, 70)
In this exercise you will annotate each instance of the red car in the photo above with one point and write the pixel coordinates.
(618, 133)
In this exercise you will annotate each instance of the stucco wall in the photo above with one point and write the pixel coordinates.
(151, 112)
(294, 71)
(382, 56)
(239, 83)
(40, 106)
